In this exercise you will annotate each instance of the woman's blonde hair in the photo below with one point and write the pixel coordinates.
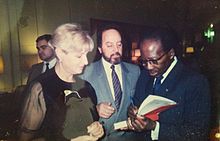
(70, 37)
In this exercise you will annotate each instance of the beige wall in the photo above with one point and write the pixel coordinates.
(21, 21)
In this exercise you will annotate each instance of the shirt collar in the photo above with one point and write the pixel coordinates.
(107, 65)
(169, 69)
(51, 62)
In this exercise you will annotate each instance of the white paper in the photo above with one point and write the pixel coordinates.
(120, 125)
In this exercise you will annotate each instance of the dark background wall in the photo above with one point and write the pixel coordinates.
(21, 21)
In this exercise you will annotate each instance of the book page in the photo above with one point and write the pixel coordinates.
(153, 102)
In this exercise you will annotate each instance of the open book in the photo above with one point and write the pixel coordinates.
(150, 108)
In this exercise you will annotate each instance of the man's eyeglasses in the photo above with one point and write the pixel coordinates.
(152, 61)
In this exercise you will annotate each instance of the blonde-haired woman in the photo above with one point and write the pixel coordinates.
(59, 105)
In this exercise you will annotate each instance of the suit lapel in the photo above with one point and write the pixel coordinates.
(171, 80)
(125, 77)
(103, 81)
(37, 70)
(125, 84)
(40, 68)
(149, 87)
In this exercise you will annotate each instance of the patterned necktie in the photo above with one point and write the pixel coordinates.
(47, 67)
(117, 87)
(157, 83)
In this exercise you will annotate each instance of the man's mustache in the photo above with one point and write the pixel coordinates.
(116, 53)
(117, 59)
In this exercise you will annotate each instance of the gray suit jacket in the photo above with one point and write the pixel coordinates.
(35, 71)
(96, 76)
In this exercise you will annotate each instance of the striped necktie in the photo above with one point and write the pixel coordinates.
(116, 87)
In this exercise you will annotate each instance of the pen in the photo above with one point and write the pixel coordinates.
(132, 104)
(131, 100)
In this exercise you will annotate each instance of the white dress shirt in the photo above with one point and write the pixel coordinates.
(51, 64)
(108, 71)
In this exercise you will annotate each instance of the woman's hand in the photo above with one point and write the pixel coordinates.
(95, 130)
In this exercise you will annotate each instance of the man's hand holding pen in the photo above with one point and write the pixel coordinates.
(137, 122)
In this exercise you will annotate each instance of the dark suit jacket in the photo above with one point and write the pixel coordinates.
(35, 71)
(189, 120)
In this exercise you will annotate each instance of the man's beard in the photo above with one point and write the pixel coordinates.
(115, 61)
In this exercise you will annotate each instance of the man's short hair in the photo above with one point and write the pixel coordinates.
(103, 28)
(167, 37)
(46, 37)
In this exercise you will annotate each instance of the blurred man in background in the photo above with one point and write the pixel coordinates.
(46, 54)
